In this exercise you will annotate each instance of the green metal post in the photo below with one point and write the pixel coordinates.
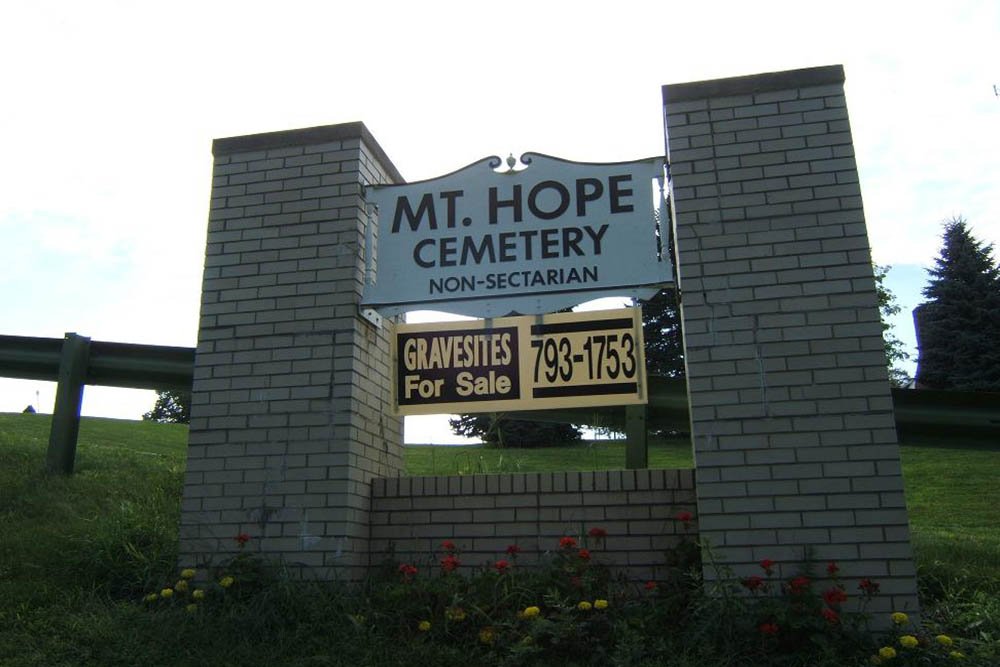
(69, 396)
(636, 451)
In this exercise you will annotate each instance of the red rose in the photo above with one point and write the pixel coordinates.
(797, 585)
(834, 596)
(448, 545)
(651, 585)
(832, 569)
(450, 563)
(501, 565)
(831, 616)
(513, 550)
(408, 571)
(241, 539)
(769, 629)
(684, 516)
(767, 564)
(598, 533)
(567, 543)
(753, 582)
(869, 587)
(583, 554)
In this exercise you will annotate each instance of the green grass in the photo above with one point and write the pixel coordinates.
(76, 552)
(595, 455)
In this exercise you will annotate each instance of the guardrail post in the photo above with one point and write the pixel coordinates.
(636, 440)
(69, 396)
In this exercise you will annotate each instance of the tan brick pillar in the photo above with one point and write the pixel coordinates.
(795, 441)
(291, 405)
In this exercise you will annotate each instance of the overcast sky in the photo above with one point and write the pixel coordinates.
(109, 110)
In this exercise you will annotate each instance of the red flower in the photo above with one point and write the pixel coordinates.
(567, 543)
(767, 564)
(832, 569)
(753, 582)
(797, 585)
(598, 533)
(450, 563)
(769, 629)
(651, 585)
(869, 587)
(831, 616)
(448, 545)
(513, 550)
(584, 554)
(408, 571)
(501, 565)
(684, 516)
(241, 539)
(834, 596)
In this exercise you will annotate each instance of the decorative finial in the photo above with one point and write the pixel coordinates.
(511, 161)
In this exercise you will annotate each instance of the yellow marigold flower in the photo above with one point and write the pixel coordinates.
(584, 606)
(198, 594)
(487, 635)
(191, 607)
(424, 626)
(958, 655)
(887, 652)
(600, 604)
(899, 618)
(187, 573)
(908, 641)
(151, 597)
(531, 612)
(944, 640)
(166, 593)
(454, 614)
(181, 586)
(226, 582)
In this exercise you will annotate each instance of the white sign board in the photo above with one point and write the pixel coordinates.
(486, 243)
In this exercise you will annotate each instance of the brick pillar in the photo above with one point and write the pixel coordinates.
(792, 421)
(290, 415)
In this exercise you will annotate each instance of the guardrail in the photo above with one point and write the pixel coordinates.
(75, 361)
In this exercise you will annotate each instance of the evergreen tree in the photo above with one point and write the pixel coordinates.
(960, 322)
(497, 431)
(887, 306)
(172, 407)
(661, 329)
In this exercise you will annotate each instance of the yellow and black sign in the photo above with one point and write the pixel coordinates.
(521, 363)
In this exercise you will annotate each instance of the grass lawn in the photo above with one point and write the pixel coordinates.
(76, 552)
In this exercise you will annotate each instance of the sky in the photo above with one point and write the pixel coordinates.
(109, 110)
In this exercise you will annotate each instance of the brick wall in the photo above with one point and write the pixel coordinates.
(795, 443)
(291, 392)
(483, 514)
